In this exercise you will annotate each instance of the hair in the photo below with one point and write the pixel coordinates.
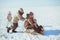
(20, 13)
(21, 9)
(27, 16)
(31, 13)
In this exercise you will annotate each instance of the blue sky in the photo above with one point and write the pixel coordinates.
(28, 3)
(11, 4)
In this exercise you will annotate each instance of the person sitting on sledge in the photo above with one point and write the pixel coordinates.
(31, 23)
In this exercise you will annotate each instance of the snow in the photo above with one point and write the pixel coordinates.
(26, 36)
(21, 35)
(52, 32)
(50, 23)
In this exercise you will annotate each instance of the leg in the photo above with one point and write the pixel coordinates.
(41, 29)
(15, 25)
(8, 29)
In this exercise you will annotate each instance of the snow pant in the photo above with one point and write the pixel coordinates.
(15, 25)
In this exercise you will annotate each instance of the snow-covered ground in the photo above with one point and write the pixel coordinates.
(50, 33)
(47, 13)
(20, 35)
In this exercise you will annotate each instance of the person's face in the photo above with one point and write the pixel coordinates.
(31, 16)
(9, 14)
(20, 13)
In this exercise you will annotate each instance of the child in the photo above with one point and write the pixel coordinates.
(9, 21)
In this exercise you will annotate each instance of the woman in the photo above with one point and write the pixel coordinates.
(31, 23)
(16, 18)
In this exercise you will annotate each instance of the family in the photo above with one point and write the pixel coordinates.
(30, 23)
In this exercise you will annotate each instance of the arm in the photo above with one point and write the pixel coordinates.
(35, 20)
(31, 23)
(26, 24)
(35, 23)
